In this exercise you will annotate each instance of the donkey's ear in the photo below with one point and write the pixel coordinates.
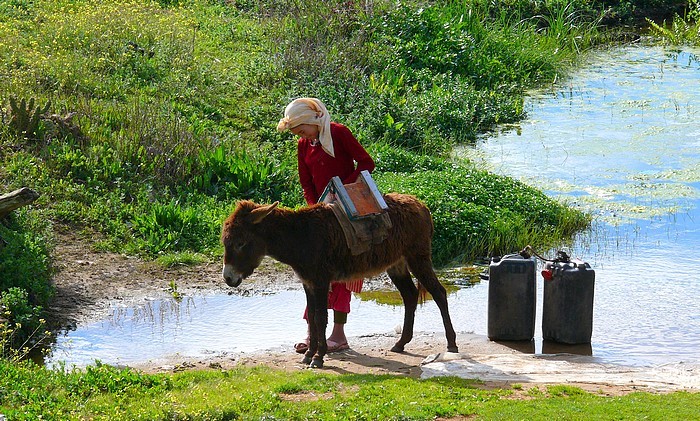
(260, 213)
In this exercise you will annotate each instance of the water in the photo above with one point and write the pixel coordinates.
(619, 139)
(227, 324)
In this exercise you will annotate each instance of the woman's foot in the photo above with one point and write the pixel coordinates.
(302, 347)
(334, 346)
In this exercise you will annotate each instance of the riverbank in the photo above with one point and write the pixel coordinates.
(88, 284)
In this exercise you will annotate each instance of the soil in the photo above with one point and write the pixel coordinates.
(88, 282)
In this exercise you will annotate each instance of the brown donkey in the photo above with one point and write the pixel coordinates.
(311, 241)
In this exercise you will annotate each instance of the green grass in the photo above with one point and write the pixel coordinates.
(178, 103)
(164, 116)
(104, 392)
(163, 113)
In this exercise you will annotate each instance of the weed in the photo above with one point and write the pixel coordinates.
(172, 289)
(170, 227)
(21, 327)
(180, 259)
(25, 117)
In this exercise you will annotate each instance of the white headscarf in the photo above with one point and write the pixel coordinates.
(309, 111)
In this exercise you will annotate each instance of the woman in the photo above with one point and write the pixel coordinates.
(325, 149)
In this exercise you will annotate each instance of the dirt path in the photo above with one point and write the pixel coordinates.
(89, 282)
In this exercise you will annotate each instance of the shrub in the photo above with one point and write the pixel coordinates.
(19, 322)
(477, 214)
(25, 244)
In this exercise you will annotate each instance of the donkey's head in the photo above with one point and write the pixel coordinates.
(244, 246)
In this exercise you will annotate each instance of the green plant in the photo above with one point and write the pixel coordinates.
(240, 174)
(172, 288)
(477, 213)
(171, 227)
(398, 160)
(25, 257)
(99, 379)
(682, 30)
(25, 117)
(21, 327)
(180, 259)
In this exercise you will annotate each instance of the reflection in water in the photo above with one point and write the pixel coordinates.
(550, 347)
(526, 347)
(620, 139)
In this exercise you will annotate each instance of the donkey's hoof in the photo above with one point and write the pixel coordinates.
(306, 360)
(316, 362)
(397, 348)
(452, 349)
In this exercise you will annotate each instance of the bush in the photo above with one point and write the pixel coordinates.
(19, 321)
(477, 214)
(25, 244)
(25, 272)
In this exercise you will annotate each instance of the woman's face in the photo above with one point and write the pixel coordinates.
(307, 131)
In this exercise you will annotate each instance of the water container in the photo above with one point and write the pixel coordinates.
(567, 309)
(512, 298)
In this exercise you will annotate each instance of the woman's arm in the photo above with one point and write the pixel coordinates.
(358, 154)
(307, 184)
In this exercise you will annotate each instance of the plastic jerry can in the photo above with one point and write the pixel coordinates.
(512, 298)
(567, 308)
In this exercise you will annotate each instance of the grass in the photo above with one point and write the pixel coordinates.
(161, 115)
(104, 392)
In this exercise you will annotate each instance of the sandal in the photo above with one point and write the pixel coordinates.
(301, 347)
(337, 347)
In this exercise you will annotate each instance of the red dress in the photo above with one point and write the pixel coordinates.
(316, 168)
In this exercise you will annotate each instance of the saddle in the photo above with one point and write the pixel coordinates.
(361, 211)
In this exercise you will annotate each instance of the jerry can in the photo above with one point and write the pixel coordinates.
(512, 298)
(567, 308)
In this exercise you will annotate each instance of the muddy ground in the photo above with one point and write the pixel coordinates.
(89, 282)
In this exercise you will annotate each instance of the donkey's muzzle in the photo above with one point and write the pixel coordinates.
(232, 278)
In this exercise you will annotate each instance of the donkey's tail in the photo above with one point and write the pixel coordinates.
(422, 293)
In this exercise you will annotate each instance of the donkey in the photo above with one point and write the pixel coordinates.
(311, 241)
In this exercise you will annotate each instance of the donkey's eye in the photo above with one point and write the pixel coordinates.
(239, 245)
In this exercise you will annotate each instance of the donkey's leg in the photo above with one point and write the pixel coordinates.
(311, 320)
(320, 316)
(401, 277)
(423, 270)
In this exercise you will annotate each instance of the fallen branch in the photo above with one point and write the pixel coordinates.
(16, 199)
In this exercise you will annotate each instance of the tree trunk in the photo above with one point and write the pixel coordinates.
(16, 199)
